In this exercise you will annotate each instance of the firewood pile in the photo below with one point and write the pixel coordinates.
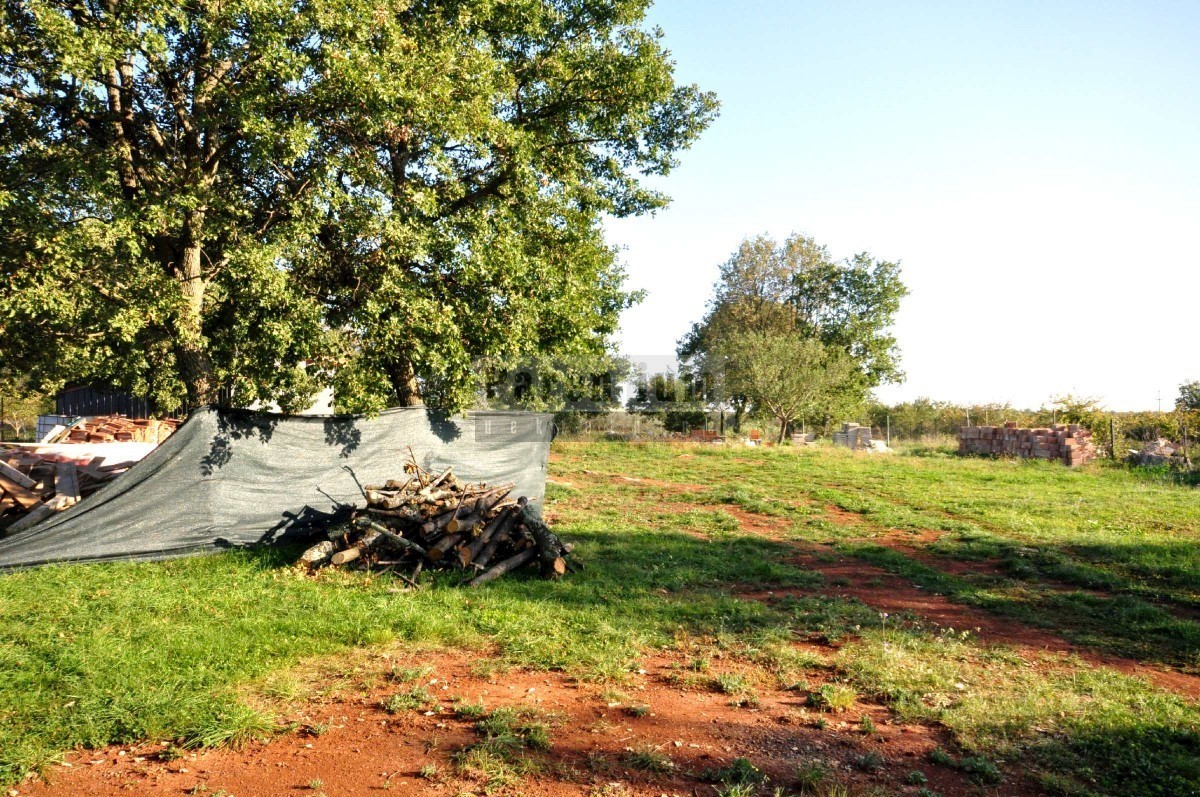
(435, 521)
(35, 486)
(115, 429)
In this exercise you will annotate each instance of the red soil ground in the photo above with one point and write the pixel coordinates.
(363, 750)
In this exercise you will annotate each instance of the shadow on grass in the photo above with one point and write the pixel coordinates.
(1120, 624)
(1143, 759)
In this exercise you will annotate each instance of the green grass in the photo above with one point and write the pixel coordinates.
(92, 655)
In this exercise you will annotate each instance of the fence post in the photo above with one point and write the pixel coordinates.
(889, 433)
(1112, 438)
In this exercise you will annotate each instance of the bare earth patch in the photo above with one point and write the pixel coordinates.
(363, 750)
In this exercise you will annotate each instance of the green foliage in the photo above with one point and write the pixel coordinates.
(811, 774)
(675, 399)
(791, 376)
(507, 729)
(740, 773)
(648, 758)
(202, 196)
(416, 698)
(833, 697)
(772, 287)
(22, 406)
(981, 770)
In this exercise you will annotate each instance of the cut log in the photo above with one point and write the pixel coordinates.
(503, 521)
(368, 540)
(507, 566)
(348, 555)
(443, 546)
(490, 549)
(394, 538)
(319, 554)
(405, 515)
(447, 473)
(551, 551)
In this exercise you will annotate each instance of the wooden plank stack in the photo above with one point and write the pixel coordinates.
(34, 486)
(427, 520)
(119, 429)
(1069, 443)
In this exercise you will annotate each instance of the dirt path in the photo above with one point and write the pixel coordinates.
(363, 750)
(851, 578)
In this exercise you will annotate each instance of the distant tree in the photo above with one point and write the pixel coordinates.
(22, 405)
(797, 285)
(791, 376)
(673, 399)
(1189, 397)
(204, 195)
(1187, 407)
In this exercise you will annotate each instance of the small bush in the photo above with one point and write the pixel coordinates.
(648, 759)
(981, 770)
(811, 774)
(415, 699)
(740, 772)
(469, 711)
(870, 761)
(940, 757)
(832, 697)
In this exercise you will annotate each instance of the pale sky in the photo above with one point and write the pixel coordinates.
(1034, 166)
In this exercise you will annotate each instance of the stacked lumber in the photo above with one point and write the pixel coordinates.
(427, 520)
(118, 429)
(35, 486)
(1070, 443)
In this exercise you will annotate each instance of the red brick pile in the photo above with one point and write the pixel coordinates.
(1067, 442)
(119, 429)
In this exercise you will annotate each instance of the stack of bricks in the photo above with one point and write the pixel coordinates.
(853, 436)
(1071, 443)
(119, 429)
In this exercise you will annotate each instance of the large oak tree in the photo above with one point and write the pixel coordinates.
(206, 195)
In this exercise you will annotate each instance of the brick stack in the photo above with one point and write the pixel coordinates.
(1069, 443)
(853, 436)
(119, 429)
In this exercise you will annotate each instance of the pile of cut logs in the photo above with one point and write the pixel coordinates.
(34, 486)
(428, 520)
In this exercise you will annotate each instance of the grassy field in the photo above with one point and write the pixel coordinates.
(1108, 559)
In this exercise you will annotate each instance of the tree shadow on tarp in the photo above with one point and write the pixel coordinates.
(343, 432)
(294, 528)
(443, 426)
(235, 425)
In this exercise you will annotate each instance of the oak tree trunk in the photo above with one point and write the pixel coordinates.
(195, 364)
(404, 382)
